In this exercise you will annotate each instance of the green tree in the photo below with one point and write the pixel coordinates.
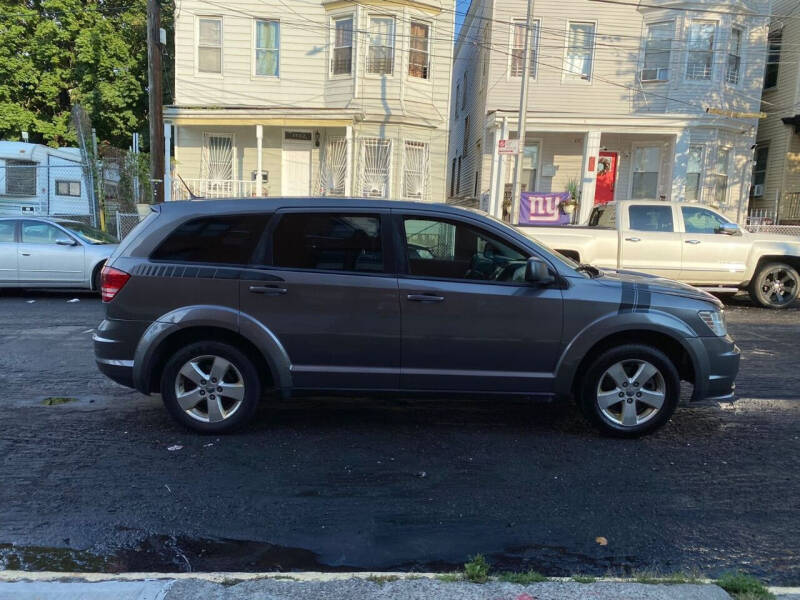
(54, 53)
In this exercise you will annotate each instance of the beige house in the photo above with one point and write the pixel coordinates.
(776, 171)
(327, 97)
(626, 101)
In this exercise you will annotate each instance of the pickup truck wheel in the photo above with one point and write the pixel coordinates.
(211, 387)
(776, 285)
(629, 390)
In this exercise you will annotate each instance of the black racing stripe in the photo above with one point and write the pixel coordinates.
(627, 300)
(643, 300)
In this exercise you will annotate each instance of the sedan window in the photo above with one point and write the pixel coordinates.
(451, 250)
(38, 232)
(7, 231)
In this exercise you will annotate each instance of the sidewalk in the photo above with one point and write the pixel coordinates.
(331, 586)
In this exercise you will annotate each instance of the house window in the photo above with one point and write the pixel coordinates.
(657, 52)
(420, 54)
(375, 163)
(20, 178)
(734, 57)
(700, 65)
(694, 173)
(518, 48)
(721, 167)
(68, 188)
(530, 166)
(268, 43)
(580, 50)
(646, 166)
(380, 59)
(773, 59)
(217, 159)
(760, 170)
(466, 135)
(342, 60)
(453, 178)
(458, 177)
(209, 45)
(458, 95)
(464, 93)
(415, 170)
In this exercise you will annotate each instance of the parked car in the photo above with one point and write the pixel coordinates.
(213, 303)
(687, 242)
(45, 252)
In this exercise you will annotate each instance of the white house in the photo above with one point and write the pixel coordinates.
(327, 97)
(627, 100)
(39, 180)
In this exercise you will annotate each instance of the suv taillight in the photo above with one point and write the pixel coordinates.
(111, 282)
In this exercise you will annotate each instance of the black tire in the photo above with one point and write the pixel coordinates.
(96, 278)
(762, 287)
(627, 355)
(247, 372)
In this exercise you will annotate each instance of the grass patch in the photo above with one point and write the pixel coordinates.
(654, 577)
(382, 579)
(56, 400)
(450, 577)
(744, 587)
(476, 569)
(583, 579)
(522, 578)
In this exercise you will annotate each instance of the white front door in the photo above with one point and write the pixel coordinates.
(296, 163)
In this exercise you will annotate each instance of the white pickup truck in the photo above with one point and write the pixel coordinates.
(687, 242)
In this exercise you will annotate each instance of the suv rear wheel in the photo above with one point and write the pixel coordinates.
(211, 387)
(629, 390)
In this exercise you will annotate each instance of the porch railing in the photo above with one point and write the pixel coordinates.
(215, 188)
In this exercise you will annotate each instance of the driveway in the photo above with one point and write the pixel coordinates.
(101, 479)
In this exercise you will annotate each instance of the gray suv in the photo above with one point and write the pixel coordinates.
(213, 304)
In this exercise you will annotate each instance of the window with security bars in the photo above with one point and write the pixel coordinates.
(342, 60)
(518, 48)
(375, 165)
(415, 170)
(380, 57)
(20, 178)
(217, 160)
(419, 55)
(734, 57)
(209, 45)
(700, 64)
(333, 174)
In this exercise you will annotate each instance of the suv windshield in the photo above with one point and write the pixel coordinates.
(90, 235)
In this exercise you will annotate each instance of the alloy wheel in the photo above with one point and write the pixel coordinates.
(778, 286)
(209, 388)
(631, 392)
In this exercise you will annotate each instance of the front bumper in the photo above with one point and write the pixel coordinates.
(115, 344)
(723, 357)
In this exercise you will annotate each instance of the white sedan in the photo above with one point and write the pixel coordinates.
(51, 252)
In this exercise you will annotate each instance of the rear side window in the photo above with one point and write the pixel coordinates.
(7, 231)
(227, 239)
(328, 242)
(604, 216)
(650, 217)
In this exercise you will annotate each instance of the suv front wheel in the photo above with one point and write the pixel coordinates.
(629, 390)
(211, 387)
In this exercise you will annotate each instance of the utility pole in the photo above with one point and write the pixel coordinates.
(523, 117)
(154, 79)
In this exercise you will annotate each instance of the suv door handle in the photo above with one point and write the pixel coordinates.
(633, 239)
(425, 298)
(269, 290)
(692, 241)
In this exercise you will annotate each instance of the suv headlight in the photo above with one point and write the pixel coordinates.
(715, 319)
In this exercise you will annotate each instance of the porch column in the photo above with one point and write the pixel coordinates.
(167, 169)
(591, 150)
(259, 164)
(348, 168)
(680, 166)
(498, 189)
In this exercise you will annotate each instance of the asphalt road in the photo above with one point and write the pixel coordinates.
(348, 484)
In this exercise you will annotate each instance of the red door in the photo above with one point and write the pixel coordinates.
(606, 177)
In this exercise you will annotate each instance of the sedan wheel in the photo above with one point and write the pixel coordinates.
(631, 392)
(209, 388)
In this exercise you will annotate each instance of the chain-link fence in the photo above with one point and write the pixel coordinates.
(793, 230)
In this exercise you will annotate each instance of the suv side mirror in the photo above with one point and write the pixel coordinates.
(729, 229)
(66, 242)
(536, 271)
